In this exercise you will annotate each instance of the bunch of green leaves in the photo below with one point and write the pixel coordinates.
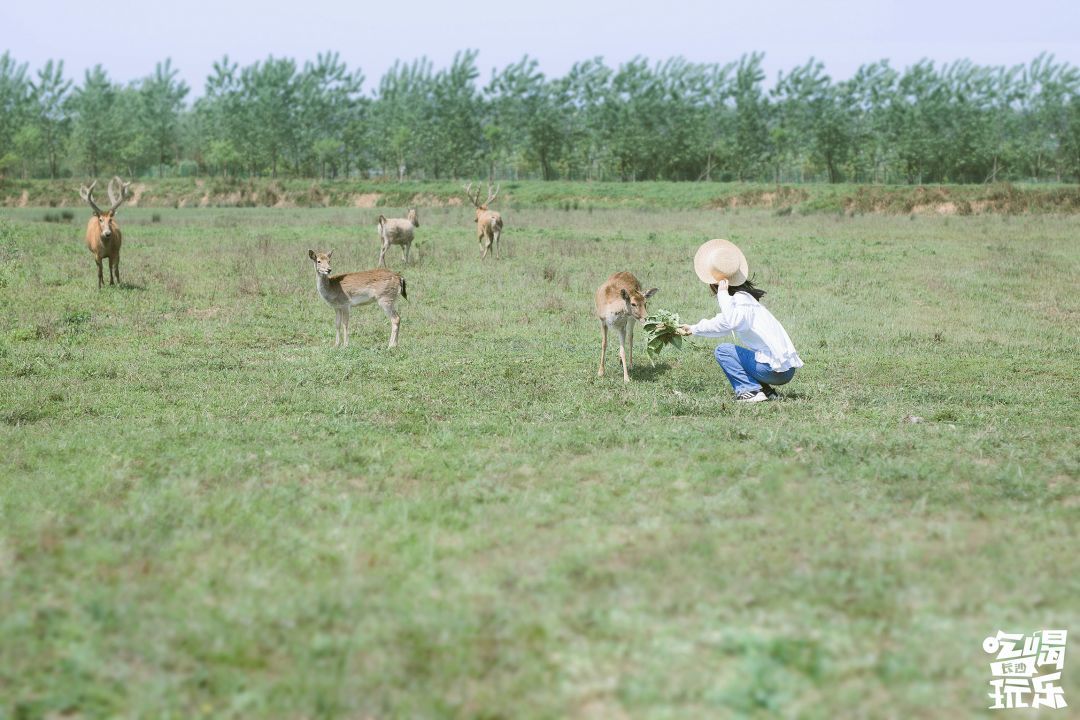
(662, 327)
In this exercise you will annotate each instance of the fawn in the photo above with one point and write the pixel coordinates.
(619, 302)
(341, 292)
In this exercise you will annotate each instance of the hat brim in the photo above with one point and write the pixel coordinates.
(705, 263)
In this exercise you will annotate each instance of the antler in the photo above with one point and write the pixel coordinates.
(87, 194)
(116, 201)
(474, 198)
(491, 196)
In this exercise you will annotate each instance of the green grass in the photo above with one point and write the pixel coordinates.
(207, 511)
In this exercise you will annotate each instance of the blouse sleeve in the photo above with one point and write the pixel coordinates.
(730, 318)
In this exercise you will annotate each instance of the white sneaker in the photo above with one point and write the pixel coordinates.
(751, 397)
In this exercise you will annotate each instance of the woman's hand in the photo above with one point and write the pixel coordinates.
(721, 287)
(683, 330)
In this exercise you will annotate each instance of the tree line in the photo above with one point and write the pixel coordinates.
(641, 120)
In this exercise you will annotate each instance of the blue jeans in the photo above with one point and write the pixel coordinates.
(744, 372)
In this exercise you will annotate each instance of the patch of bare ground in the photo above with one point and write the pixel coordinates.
(366, 200)
(780, 197)
(137, 191)
(431, 200)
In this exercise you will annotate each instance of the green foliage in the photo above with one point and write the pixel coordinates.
(661, 327)
(641, 120)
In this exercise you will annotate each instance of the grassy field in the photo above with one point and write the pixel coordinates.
(207, 511)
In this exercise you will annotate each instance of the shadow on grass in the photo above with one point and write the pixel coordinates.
(648, 373)
(130, 286)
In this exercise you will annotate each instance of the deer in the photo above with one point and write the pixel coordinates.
(397, 231)
(489, 223)
(619, 303)
(102, 233)
(341, 292)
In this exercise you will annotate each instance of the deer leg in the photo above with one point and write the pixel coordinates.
(382, 255)
(622, 353)
(345, 325)
(100, 277)
(405, 254)
(630, 344)
(603, 347)
(395, 320)
(117, 265)
(498, 245)
(337, 326)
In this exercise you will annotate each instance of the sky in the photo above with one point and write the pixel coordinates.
(129, 38)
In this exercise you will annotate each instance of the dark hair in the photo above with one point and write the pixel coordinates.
(747, 287)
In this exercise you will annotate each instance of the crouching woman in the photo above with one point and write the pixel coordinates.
(768, 358)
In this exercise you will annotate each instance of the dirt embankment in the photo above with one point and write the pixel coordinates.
(783, 199)
(217, 193)
(1005, 199)
(780, 197)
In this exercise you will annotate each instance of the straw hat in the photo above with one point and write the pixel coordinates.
(719, 260)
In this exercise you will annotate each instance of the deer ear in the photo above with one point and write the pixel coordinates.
(311, 254)
(329, 254)
(625, 295)
(651, 292)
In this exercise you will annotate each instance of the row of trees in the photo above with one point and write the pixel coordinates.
(671, 120)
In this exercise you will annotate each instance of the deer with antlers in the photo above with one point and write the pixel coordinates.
(489, 223)
(102, 232)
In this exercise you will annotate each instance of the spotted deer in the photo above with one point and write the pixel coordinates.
(102, 233)
(397, 231)
(341, 292)
(619, 303)
(489, 223)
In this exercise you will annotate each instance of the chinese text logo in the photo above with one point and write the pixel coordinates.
(1027, 670)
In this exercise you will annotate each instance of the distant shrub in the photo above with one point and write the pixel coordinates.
(155, 218)
(68, 215)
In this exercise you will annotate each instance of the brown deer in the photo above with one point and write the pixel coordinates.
(341, 292)
(620, 302)
(397, 231)
(102, 233)
(489, 223)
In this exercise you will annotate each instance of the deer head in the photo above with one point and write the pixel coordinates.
(635, 301)
(105, 217)
(474, 198)
(322, 262)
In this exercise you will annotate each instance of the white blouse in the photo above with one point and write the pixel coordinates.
(755, 327)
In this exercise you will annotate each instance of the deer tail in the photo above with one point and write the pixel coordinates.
(401, 285)
(382, 220)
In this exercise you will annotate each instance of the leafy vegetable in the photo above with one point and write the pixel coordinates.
(662, 326)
